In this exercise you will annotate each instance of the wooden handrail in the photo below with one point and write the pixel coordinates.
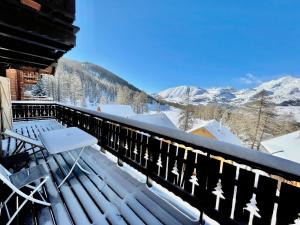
(212, 176)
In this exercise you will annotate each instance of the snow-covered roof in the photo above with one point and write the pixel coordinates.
(219, 131)
(286, 146)
(118, 110)
(159, 119)
(173, 114)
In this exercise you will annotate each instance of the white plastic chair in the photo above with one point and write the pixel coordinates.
(23, 178)
(22, 141)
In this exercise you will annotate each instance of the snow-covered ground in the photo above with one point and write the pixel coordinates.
(293, 111)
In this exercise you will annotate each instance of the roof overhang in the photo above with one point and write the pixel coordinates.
(35, 34)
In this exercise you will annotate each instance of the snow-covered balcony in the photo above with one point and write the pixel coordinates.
(145, 174)
(110, 195)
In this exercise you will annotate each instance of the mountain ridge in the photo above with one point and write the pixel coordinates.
(80, 82)
(282, 91)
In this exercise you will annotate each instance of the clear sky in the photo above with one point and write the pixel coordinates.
(157, 44)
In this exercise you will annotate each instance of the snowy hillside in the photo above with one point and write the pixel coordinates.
(283, 91)
(197, 95)
(289, 111)
(84, 82)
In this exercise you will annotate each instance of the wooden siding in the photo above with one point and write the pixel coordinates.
(204, 132)
(20, 80)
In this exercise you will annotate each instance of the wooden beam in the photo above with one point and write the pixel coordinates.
(32, 4)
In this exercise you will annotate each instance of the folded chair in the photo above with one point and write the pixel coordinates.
(22, 141)
(23, 178)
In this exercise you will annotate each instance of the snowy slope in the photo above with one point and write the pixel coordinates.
(289, 111)
(283, 91)
(197, 95)
(86, 80)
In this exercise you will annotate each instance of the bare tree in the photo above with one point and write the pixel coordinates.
(186, 117)
(124, 95)
(264, 113)
(77, 94)
(140, 102)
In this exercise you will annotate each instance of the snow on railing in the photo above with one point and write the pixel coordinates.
(232, 184)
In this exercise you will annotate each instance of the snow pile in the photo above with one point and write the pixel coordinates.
(286, 146)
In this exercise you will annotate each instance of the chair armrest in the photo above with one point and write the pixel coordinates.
(27, 176)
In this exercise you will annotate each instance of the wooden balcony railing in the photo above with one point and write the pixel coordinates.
(231, 184)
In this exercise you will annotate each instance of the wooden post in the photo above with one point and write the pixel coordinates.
(152, 159)
(121, 147)
(104, 133)
(1, 127)
(2, 74)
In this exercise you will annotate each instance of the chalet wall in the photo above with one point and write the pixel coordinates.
(204, 132)
(20, 80)
(14, 88)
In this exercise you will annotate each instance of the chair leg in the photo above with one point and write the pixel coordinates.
(4, 204)
(33, 150)
(18, 148)
(32, 187)
(29, 198)
(9, 197)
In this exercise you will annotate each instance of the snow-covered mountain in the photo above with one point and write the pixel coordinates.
(197, 95)
(283, 91)
(87, 80)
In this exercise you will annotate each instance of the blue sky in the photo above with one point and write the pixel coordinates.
(159, 44)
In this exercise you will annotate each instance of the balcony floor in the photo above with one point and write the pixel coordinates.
(110, 195)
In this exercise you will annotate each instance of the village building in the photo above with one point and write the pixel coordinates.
(215, 130)
(117, 110)
(284, 146)
(159, 119)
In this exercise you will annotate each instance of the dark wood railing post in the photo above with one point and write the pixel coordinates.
(121, 147)
(104, 133)
(152, 159)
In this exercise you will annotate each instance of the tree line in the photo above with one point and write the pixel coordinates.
(80, 87)
(253, 122)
